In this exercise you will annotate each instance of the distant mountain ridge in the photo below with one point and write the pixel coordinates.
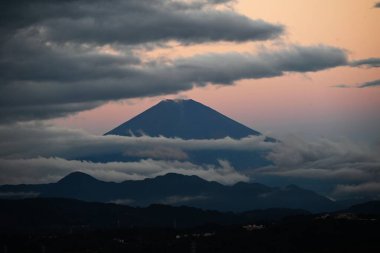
(176, 189)
(186, 119)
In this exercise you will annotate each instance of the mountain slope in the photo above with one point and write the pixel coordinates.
(370, 207)
(175, 189)
(186, 119)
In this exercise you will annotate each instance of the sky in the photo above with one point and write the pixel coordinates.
(302, 71)
(301, 103)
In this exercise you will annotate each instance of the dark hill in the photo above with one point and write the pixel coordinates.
(370, 207)
(65, 214)
(63, 225)
(175, 189)
(78, 178)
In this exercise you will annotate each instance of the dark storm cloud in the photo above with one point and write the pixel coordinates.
(41, 112)
(66, 75)
(133, 21)
(62, 57)
(370, 63)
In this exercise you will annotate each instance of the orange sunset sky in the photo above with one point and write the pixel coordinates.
(305, 104)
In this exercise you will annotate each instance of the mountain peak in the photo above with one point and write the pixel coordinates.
(77, 177)
(183, 118)
(177, 189)
(179, 177)
(177, 101)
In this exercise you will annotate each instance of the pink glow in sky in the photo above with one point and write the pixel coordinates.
(294, 103)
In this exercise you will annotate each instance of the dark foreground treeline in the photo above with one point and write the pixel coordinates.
(44, 215)
(304, 235)
(57, 225)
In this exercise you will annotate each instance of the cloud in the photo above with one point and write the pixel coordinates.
(369, 190)
(166, 153)
(133, 21)
(18, 195)
(294, 151)
(65, 79)
(63, 57)
(38, 153)
(200, 4)
(335, 162)
(370, 63)
(32, 112)
(35, 139)
(47, 170)
(370, 84)
(122, 201)
(323, 174)
(179, 199)
(367, 63)
(342, 86)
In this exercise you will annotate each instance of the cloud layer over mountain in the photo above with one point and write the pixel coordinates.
(46, 153)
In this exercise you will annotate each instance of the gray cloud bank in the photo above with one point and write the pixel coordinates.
(55, 51)
(34, 140)
(47, 170)
(41, 154)
(133, 21)
(343, 163)
(62, 57)
(51, 83)
(370, 190)
(370, 84)
(370, 62)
